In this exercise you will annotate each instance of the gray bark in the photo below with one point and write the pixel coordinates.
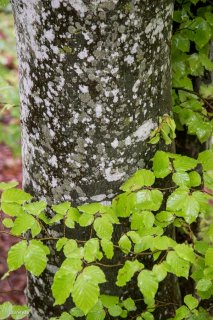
(94, 77)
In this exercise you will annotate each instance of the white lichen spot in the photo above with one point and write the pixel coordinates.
(55, 4)
(98, 110)
(129, 59)
(79, 6)
(83, 89)
(115, 176)
(114, 144)
(54, 182)
(83, 54)
(53, 161)
(136, 86)
(144, 130)
(98, 197)
(128, 141)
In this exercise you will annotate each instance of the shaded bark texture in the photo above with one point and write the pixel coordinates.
(94, 77)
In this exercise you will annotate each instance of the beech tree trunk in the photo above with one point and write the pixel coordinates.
(94, 77)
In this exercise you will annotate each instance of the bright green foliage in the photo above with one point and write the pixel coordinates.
(126, 273)
(177, 265)
(140, 207)
(86, 291)
(8, 185)
(148, 285)
(140, 179)
(190, 301)
(15, 311)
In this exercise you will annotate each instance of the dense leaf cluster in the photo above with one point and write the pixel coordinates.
(141, 206)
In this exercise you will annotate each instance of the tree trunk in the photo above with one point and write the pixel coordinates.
(94, 77)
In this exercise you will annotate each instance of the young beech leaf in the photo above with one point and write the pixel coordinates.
(115, 311)
(86, 291)
(35, 208)
(22, 223)
(15, 196)
(195, 179)
(8, 223)
(126, 273)
(160, 271)
(209, 257)
(139, 179)
(108, 248)
(185, 252)
(64, 280)
(129, 304)
(5, 310)
(61, 208)
(177, 265)
(149, 200)
(191, 302)
(60, 243)
(85, 219)
(108, 300)
(8, 185)
(12, 209)
(35, 259)
(91, 250)
(148, 285)
(181, 178)
(204, 285)
(91, 208)
(184, 163)
(19, 312)
(103, 227)
(164, 218)
(125, 244)
(205, 158)
(16, 255)
(97, 312)
(124, 204)
(182, 313)
(161, 164)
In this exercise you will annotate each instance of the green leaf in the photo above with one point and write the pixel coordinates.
(181, 178)
(138, 180)
(108, 248)
(72, 216)
(161, 164)
(125, 244)
(149, 200)
(160, 271)
(15, 196)
(86, 219)
(143, 218)
(148, 285)
(64, 280)
(209, 257)
(35, 258)
(60, 243)
(91, 250)
(86, 290)
(115, 310)
(35, 208)
(203, 285)
(195, 179)
(71, 249)
(177, 265)
(181, 42)
(184, 163)
(12, 209)
(61, 208)
(8, 223)
(108, 300)
(162, 243)
(147, 316)
(182, 313)
(184, 204)
(202, 31)
(97, 312)
(5, 310)
(76, 312)
(65, 316)
(16, 255)
(91, 208)
(103, 228)
(205, 158)
(126, 273)
(123, 204)
(185, 252)
(22, 223)
(20, 312)
(129, 304)
(8, 185)
(191, 302)
(164, 218)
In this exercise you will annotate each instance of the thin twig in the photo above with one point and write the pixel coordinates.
(196, 94)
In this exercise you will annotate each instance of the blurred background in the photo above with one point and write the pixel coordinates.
(10, 148)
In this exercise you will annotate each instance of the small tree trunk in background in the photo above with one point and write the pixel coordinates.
(94, 77)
